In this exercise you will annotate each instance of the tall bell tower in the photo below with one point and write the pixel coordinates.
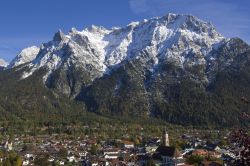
(165, 138)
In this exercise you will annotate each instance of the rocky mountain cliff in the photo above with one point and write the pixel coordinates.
(175, 67)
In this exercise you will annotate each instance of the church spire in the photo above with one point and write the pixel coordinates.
(165, 138)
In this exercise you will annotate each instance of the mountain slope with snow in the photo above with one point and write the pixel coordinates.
(176, 67)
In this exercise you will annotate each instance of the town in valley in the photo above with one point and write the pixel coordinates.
(186, 149)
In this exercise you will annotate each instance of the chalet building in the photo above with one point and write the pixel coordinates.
(25, 162)
(200, 152)
(128, 144)
(151, 149)
(213, 147)
(111, 153)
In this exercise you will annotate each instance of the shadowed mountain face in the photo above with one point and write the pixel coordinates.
(177, 68)
(176, 94)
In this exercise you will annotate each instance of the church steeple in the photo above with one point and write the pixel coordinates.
(165, 138)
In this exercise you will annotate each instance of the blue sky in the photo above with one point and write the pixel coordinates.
(31, 22)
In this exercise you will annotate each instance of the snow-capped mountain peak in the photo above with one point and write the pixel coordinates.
(3, 63)
(59, 36)
(25, 56)
(169, 38)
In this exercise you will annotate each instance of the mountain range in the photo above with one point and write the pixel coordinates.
(177, 68)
